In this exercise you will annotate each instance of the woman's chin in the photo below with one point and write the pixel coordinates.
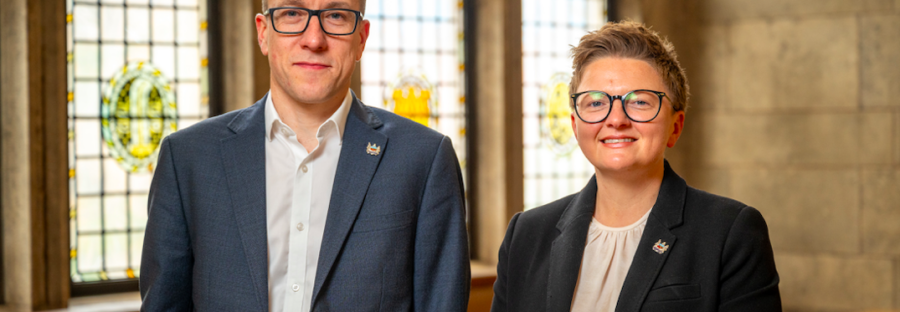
(616, 166)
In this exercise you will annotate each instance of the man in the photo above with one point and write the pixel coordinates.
(307, 200)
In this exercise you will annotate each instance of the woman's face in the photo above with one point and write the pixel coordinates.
(618, 144)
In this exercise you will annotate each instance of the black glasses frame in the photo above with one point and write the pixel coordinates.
(317, 13)
(612, 99)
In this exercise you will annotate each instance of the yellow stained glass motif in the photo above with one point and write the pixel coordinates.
(412, 104)
(138, 110)
(412, 96)
(556, 125)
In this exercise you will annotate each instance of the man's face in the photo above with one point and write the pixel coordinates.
(311, 67)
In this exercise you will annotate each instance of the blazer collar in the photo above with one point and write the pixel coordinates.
(243, 157)
(573, 225)
(355, 170)
(667, 214)
(568, 248)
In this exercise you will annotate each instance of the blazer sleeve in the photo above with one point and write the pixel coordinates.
(749, 281)
(442, 271)
(501, 298)
(167, 259)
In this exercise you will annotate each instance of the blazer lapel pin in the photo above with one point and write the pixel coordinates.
(373, 149)
(660, 247)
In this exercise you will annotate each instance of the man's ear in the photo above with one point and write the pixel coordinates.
(363, 37)
(261, 26)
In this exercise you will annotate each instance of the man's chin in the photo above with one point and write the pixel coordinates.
(315, 95)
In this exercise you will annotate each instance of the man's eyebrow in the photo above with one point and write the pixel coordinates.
(292, 3)
(337, 5)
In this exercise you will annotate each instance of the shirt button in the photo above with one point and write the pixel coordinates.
(304, 168)
(295, 288)
(300, 226)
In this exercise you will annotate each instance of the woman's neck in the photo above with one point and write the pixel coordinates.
(624, 197)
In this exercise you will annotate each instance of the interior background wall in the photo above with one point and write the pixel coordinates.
(796, 111)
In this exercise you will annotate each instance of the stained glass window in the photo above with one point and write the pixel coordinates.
(414, 66)
(136, 73)
(554, 165)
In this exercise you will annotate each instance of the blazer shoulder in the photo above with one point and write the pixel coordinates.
(211, 129)
(711, 209)
(709, 201)
(545, 216)
(397, 126)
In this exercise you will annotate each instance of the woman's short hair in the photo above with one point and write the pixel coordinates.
(633, 40)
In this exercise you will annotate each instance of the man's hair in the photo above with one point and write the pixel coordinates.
(362, 5)
(633, 40)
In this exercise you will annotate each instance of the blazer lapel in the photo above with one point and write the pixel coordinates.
(355, 170)
(568, 248)
(647, 262)
(244, 161)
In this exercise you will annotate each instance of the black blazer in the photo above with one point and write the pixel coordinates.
(719, 257)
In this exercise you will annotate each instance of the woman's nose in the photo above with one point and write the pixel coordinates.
(617, 117)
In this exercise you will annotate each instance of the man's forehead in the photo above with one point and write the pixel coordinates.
(320, 4)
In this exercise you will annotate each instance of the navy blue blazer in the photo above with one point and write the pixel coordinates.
(395, 235)
(719, 257)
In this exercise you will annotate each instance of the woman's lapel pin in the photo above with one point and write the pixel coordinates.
(660, 247)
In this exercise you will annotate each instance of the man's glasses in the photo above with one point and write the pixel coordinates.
(294, 20)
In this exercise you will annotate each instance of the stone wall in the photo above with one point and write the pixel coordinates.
(796, 111)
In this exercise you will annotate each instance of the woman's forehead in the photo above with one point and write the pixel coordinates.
(621, 72)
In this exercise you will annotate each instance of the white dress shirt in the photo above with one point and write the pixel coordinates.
(298, 191)
(607, 257)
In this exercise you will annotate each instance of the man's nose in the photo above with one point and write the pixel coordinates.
(314, 37)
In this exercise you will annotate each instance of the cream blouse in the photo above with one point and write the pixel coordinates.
(607, 257)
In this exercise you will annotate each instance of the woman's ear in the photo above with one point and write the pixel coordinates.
(574, 131)
(677, 128)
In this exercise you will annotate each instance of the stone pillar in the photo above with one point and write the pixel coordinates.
(497, 175)
(15, 194)
(239, 46)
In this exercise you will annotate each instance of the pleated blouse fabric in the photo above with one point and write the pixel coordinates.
(607, 256)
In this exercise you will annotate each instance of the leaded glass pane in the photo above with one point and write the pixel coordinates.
(136, 74)
(414, 66)
(554, 166)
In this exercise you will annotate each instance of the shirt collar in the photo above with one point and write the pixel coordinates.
(338, 118)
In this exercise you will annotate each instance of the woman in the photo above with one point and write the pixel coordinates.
(636, 238)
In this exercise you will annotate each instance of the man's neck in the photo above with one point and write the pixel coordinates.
(305, 118)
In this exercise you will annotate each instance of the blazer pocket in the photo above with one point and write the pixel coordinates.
(384, 222)
(674, 292)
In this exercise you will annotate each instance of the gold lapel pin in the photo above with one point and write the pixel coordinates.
(373, 149)
(660, 247)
